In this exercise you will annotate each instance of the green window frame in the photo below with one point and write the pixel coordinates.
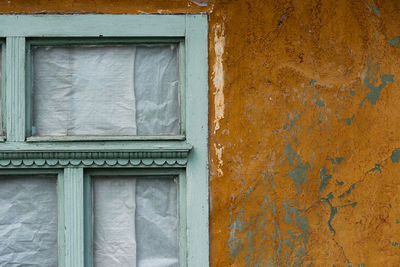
(74, 159)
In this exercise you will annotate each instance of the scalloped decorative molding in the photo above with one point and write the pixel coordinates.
(94, 159)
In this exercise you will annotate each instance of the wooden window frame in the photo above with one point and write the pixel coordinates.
(74, 159)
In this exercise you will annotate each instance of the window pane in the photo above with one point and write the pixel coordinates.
(105, 90)
(135, 221)
(28, 221)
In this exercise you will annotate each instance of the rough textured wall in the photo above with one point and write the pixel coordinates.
(304, 126)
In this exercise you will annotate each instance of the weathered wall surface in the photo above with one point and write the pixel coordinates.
(304, 126)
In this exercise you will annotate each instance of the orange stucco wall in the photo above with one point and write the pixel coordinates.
(304, 126)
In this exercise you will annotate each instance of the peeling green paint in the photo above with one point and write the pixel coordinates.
(300, 252)
(332, 214)
(347, 120)
(235, 244)
(292, 216)
(373, 94)
(376, 168)
(292, 122)
(337, 160)
(340, 183)
(397, 221)
(320, 103)
(325, 177)
(395, 244)
(394, 42)
(352, 92)
(289, 153)
(312, 82)
(354, 204)
(299, 173)
(395, 157)
(347, 192)
(375, 9)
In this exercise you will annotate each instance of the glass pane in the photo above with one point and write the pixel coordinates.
(1, 89)
(105, 90)
(135, 221)
(28, 221)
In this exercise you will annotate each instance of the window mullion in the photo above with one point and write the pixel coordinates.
(74, 216)
(15, 89)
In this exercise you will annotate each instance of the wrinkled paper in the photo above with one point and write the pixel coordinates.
(28, 221)
(135, 221)
(105, 90)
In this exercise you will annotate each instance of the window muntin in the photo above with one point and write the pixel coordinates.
(28, 220)
(135, 221)
(105, 90)
(1, 88)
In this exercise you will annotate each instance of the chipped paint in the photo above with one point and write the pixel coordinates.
(375, 9)
(235, 243)
(325, 177)
(347, 120)
(395, 157)
(320, 103)
(218, 152)
(218, 75)
(370, 72)
(394, 42)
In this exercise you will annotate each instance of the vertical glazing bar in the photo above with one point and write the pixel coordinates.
(182, 219)
(197, 135)
(182, 89)
(61, 218)
(88, 221)
(74, 217)
(15, 89)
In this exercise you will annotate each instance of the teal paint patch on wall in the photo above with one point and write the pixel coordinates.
(376, 168)
(325, 177)
(373, 94)
(347, 120)
(235, 243)
(394, 42)
(395, 157)
(320, 103)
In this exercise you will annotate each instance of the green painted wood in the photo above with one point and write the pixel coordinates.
(182, 209)
(104, 138)
(103, 40)
(61, 219)
(74, 216)
(92, 25)
(114, 146)
(88, 205)
(15, 89)
(3, 89)
(193, 180)
(90, 41)
(197, 135)
(182, 91)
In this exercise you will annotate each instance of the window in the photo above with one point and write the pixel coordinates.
(103, 156)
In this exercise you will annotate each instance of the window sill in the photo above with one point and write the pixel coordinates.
(82, 138)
